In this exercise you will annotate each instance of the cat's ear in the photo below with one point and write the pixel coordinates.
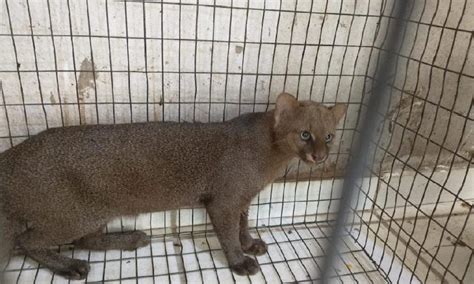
(339, 110)
(285, 104)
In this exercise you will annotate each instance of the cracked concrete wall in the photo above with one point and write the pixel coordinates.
(429, 123)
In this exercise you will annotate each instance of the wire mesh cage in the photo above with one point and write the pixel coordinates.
(81, 62)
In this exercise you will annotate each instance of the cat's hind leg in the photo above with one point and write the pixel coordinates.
(121, 241)
(36, 243)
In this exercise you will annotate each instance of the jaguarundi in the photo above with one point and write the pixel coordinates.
(67, 183)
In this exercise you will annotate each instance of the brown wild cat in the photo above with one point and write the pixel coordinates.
(67, 183)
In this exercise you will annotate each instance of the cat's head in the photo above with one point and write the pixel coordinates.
(306, 129)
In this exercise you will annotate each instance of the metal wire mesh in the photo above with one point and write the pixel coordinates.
(293, 256)
(85, 62)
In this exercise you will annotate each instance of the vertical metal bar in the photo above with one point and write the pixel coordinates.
(110, 61)
(196, 31)
(55, 62)
(227, 63)
(162, 98)
(18, 68)
(367, 128)
(275, 44)
(71, 36)
(128, 60)
(92, 62)
(243, 56)
(145, 54)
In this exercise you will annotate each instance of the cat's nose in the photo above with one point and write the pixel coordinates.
(319, 157)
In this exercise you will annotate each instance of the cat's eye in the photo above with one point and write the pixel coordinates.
(328, 138)
(305, 135)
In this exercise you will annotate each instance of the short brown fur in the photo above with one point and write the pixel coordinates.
(67, 183)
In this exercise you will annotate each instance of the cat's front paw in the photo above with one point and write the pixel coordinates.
(258, 247)
(247, 267)
(76, 270)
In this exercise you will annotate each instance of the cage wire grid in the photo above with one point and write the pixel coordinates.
(86, 62)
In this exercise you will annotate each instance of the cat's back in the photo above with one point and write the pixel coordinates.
(169, 144)
(133, 160)
(77, 144)
(95, 160)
